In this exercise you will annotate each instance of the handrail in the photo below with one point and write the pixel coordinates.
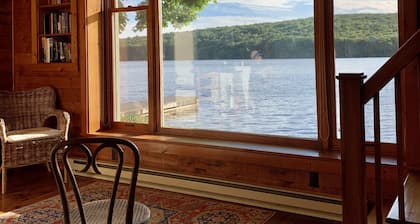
(354, 94)
(404, 56)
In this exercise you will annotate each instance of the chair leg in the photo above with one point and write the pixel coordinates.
(48, 164)
(3, 180)
(65, 176)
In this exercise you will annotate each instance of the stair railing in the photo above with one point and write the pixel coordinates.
(354, 94)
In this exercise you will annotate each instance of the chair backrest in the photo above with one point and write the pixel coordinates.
(86, 145)
(28, 108)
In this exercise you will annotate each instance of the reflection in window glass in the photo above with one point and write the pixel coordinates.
(366, 35)
(130, 75)
(239, 66)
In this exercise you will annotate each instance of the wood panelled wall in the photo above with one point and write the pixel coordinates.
(261, 168)
(27, 75)
(79, 91)
(6, 71)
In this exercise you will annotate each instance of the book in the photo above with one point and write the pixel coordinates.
(47, 26)
(46, 49)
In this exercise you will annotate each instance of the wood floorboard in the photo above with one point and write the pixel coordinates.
(31, 184)
(288, 218)
(412, 202)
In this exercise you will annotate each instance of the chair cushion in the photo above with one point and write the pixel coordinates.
(32, 134)
(96, 212)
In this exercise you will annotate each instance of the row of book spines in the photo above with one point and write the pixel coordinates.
(57, 22)
(55, 51)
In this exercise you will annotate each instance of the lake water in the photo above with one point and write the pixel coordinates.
(270, 96)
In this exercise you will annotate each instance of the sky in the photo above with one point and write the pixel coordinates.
(241, 12)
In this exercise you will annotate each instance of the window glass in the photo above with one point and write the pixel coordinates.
(240, 66)
(130, 67)
(130, 3)
(366, 35)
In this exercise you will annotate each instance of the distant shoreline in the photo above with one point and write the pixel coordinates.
(222, 59)
(356, 35)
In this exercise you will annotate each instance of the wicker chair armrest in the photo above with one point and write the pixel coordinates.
(3, 131)
(63, 121)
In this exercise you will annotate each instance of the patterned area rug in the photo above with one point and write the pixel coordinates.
(166, 207)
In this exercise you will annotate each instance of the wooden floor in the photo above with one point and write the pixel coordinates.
(412, 201)
(31, 184)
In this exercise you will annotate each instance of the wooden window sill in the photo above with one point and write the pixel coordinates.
(245, 146)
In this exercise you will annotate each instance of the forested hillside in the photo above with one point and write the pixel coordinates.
(357, 35)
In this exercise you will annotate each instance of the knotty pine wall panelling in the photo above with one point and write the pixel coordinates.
(28, 75)
(259, 168)
(6, 50)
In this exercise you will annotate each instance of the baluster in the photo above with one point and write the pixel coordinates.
(378, 162)
(400, 153)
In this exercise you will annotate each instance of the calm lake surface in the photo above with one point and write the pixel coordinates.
(269, 96)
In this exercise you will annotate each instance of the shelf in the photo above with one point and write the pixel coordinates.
(54, 35)
(54, 6)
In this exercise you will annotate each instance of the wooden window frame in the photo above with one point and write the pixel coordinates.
(109, 122)
(325, 85)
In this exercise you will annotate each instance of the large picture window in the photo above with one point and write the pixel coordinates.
(244, 69)
(240, 66)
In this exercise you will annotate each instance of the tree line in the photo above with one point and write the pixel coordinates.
(356, 35)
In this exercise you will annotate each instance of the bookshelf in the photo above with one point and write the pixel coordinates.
(54, 34)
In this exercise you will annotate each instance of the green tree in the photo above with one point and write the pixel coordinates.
(122, 17)
(178, 13)
(356, 35)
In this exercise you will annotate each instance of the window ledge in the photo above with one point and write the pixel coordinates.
(234, 145)
(245, 146)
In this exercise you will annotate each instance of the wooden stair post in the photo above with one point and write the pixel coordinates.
(352, 149)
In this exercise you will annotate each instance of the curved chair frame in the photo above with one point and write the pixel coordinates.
(82, 143)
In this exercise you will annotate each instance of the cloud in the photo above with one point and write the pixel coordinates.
(242, 12)
(341, 6)
(365, 6)
(286, 4)
(221, 21)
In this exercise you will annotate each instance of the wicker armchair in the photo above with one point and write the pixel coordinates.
(26, 128)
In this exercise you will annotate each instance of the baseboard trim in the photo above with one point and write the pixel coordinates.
(287, 201)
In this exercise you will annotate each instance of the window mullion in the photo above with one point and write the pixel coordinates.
(324, 62)
(154, 66)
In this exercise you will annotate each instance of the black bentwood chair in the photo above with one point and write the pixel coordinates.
(111, 211)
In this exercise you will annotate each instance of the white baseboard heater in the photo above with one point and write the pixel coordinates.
(287, 201)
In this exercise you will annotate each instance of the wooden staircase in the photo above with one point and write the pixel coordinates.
(412, 201)
(354, 95)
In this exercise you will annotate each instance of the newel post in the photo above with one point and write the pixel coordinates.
(352, 148)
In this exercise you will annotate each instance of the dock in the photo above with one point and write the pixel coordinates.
(173, 106)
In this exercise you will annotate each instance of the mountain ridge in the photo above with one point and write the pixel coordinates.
(356, 35)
